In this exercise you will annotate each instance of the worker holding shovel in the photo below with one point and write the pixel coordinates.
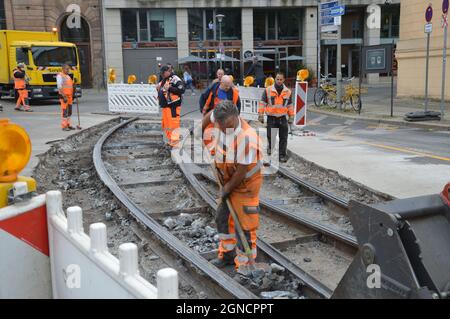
(237, 166)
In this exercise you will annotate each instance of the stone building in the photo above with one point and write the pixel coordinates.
(411, 51)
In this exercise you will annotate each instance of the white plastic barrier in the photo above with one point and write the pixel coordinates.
(133, 98)
(250, 98)
(82, 267)
(24, 252)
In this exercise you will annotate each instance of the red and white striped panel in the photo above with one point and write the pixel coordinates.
(24, 251)
(301, 101)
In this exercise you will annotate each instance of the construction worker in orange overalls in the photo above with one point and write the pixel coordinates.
(224, 91)
(65, 88)
(238, 160)
(170, 95)
(276, 103)
(20, 86)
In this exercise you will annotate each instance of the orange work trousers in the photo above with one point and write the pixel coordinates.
(246, 206)
(66, 112)
(171, 123)
(22, 99)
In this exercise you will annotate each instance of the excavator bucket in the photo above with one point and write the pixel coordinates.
(404, 250)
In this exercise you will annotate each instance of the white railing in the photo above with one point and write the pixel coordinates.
(133, 98)
(82, 267)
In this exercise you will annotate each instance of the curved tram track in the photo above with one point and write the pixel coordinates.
(304, 229)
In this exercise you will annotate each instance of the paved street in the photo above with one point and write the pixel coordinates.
(401, 161)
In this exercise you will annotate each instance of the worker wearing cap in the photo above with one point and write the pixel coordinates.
(170, 96)
(276, 103)
(20, 86)
(65, 88)
(238, 161)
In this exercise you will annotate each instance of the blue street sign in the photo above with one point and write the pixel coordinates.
(337, 11)
(445, 6)
(328, 5)
(327, 21)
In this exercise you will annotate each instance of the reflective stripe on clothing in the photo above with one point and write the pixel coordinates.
(277, 105)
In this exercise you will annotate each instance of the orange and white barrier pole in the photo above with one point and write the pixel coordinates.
(301, 98)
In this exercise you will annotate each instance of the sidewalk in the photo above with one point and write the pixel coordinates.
(377, 108)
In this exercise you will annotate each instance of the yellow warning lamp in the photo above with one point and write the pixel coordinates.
(302, 75)
(132, 79)
(269, 82)
(249, 81)
(15, 153)
(112, 76)
(152, 79)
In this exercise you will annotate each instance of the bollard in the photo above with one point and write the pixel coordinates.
(167, 283)
(128, 256)
(75, 220)
(98, 235)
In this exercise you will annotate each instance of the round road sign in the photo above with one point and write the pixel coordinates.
(429, 14)
(445, 6)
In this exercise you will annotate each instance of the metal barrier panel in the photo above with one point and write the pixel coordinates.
(250, 98)
(133, 98)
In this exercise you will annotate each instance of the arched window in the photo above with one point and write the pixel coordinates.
(75, 35)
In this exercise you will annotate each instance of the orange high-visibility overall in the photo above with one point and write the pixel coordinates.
(66, 107)
(244, 198)
(171, 112)
(21, 86)
(211, 103)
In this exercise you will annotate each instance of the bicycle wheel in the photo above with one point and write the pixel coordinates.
(356, 102)
(331, 100)
(319, 97)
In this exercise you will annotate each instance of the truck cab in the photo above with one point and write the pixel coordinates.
(43, 56)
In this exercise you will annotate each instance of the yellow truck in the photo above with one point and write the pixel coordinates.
(44, 55)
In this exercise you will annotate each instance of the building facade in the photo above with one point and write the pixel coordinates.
(411, 51)
(139, 35)
(44, 15)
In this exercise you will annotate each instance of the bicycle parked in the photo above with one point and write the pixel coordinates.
(327, 95)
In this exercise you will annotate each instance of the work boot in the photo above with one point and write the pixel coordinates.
(18, 109)
(227, 260)
(71, 128)
(283, 159)
(66, 129)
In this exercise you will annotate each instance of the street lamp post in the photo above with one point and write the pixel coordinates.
(219, 18)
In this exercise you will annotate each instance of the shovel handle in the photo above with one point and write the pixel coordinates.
(446, 194)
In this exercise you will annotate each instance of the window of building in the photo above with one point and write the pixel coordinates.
(289, 25)
(390, 21)
(2, 15)
(196, 25)
(149, 25)
(356, 29)
(204, 26)
(277, 24)
(129, 26)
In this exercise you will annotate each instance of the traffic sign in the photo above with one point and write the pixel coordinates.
(329, 36)
(338, 20)
(445, 6)
(329, 28)
(428, 28)
(444, 20)
(429, 14)
(337, 11)
(328, 5)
